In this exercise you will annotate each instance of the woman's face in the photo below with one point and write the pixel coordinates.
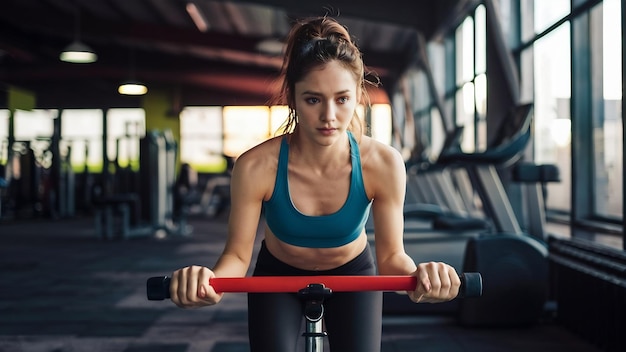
(326, 100)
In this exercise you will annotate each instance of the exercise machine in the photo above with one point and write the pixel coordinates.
(513, 263)
(439, 192)
(313, 290)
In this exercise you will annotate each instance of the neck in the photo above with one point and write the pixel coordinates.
(315, 154)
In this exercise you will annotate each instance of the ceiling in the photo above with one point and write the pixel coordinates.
(156, 42)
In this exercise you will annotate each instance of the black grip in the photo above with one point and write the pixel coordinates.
(471, 285)
(158, 287)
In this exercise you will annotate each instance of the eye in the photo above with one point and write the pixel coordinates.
(343, 100)
(312, 100)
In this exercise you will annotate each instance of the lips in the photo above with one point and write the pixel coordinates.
(326, 131)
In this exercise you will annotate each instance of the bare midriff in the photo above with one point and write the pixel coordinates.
(314, 259)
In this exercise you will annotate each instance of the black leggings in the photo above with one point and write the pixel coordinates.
(353, 320)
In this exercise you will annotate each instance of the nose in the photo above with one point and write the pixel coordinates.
(328, 112)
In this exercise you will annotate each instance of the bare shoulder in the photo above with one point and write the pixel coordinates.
(256, 168)
(260, 156)
(379, 157)
(382, 166)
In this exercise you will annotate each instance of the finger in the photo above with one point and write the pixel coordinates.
(450, 282)
(422, 286)
(204, 288)
(455, 283)
(191, 289)
(174, 281)
(423, 281)
(434, 275)
(440, 282)
(445, 281)
(182, 286)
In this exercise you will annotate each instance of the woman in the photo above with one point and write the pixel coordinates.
(316, 184)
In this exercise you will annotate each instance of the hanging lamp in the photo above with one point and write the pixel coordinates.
(78, 52)
(132, 86)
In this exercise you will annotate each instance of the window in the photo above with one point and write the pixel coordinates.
(33, 131)
(245, 127)
(278, 117)
(552, 91)
(381, 123)
(32, 125)
(201, 138)
(480, 79)
(125, 128)
(464, 77)
(437, 53)
(549, 12)
(607, 129)
(471, 80)
(586, 43)
(81, 134)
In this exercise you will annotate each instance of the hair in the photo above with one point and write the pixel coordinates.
(312, 43)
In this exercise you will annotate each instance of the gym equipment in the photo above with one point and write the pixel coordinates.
(515, 268)
(534, 178)
(216, 195)
(514, 264)
(107, 210)
(313, 290)
(66, 180)
(185, 196)
(440, 192)
(153, 170)
(28, 175)
(148, 208)
(157, 172)
(85, 179)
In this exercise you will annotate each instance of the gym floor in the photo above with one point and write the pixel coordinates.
(63, 289)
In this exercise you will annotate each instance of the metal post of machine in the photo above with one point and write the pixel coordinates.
(314, 295)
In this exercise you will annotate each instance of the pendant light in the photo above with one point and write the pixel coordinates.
(132, 86)
(78, 52)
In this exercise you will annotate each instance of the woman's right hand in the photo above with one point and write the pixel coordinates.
(190, 288)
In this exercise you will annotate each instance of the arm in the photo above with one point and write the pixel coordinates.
(247, 193)
(437, 282)
(388, 186)
(189, 286)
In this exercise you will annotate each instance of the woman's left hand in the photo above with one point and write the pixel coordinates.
(436, 282)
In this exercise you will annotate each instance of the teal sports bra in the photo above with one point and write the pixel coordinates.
(326, 231)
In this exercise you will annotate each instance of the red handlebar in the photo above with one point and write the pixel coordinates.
(296, 283)
(158, 288)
